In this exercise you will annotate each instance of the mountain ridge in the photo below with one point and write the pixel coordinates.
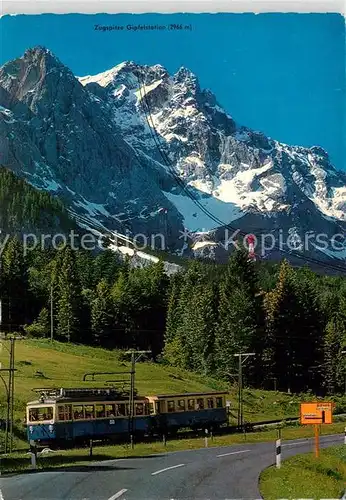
(175, 159)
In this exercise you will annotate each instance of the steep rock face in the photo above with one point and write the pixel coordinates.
(187, 131)
(62, 138)
(136, 149)
(227, 176)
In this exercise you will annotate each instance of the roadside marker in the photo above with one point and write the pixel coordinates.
(206, 438)
(278, 450)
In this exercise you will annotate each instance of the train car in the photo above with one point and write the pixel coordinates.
(78, 415)
(63, 416)
(189, 410)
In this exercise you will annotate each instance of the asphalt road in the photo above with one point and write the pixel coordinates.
(223, 473)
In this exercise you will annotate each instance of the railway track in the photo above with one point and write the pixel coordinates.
(188, 433)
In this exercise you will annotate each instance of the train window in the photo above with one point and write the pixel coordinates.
(41, 414)
(200, 404)
(100, 411)
(110, 411)
(33, 415)
(151, 408)
(191, 404)
(68, 412)
(210, 402)
(139, 409)
(78, 412)
(121, 410)
(89, 411)
(170, 406)
(219, 403)
(181, 405)
(65, 412)
(61, 412)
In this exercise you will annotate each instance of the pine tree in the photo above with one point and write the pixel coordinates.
(173, 317)
(155, 321)
(177, 350)
(40, 327)
(106, 266)
(69, 300)
(201, 334)
(122, 317)
(102, 317)
(237, 314)
(14, 284)
(280, 310)
(334, 343)
(295, 331)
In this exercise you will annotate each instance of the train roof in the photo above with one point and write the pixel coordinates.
(191, 394)
(89, 395)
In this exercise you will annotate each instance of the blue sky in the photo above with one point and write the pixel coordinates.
(283, 74)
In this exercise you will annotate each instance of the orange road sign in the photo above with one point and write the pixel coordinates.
(316, 413)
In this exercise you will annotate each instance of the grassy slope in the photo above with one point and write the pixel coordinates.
(305, 476)
(64, 365)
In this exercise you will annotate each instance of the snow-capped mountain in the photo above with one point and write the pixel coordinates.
(61, 138)
(137, 148)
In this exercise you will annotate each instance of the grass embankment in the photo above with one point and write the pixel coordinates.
(79, 456)
(40, 363)
(305, 476)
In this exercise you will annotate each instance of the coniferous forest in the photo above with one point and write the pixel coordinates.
(24, 208)
(197, 319)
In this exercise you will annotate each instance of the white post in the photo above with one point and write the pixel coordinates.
(206, 438)
(33, 451)
(345, 436)
(278, 453)
(33, 460)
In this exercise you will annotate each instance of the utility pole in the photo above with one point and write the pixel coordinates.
(242, 357)
(7, 399)
(51, 313)
(134, 360)
(9, 387)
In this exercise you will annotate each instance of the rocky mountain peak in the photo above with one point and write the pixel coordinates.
(39, 54)
(135, 147)
(37, 79)
(184, 75)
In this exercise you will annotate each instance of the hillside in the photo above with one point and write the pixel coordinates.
(42, 364)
